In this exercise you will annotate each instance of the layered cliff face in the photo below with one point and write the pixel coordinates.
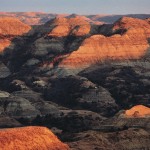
(133, 26)
(72, 43)
(82, 43)
(60, 32)
(12, 27)
(9, 29)
(76, 26)
(98, 48)
(128, 40)
(30, 138)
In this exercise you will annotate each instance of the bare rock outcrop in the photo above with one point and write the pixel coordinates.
(30, 138)
(58, 33)
(10, 28)
(76, 26)
(138, 111)
(128, 40)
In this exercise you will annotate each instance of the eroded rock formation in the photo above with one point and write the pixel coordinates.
(10, 28)
(42, 81)
(128, 40)
(30, 138)
(138, 111)
(70, 26)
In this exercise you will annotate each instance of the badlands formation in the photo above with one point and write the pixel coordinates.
(86, 81)
(30, 138)
(127, 40)
(138, 111)
(9, 29)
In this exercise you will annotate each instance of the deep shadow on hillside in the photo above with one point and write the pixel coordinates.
(22, 48)
(126, 81)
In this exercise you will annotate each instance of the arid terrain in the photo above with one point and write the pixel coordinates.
(85, 78)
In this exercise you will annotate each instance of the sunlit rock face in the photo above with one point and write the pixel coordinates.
(138, 111)
(10, 28)
(128, 39)
(30, 138)
(134, 26)
(98, 48)
(126, 22)
(59, 34)
(76, 26)
(4, 43)
(73, 43)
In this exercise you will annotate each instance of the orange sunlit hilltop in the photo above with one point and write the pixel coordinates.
(10, 28)
(74, 26)
(128, 42)
(30, 138)
(138, 111)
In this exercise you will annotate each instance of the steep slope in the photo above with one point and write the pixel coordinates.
(60, 35)
(132, 26)
(76, 26)
(127, 40)
(10, 28)
(72, 43)
(30, 138)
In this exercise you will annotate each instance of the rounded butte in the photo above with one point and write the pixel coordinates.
(138, 111)
(30, 138)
